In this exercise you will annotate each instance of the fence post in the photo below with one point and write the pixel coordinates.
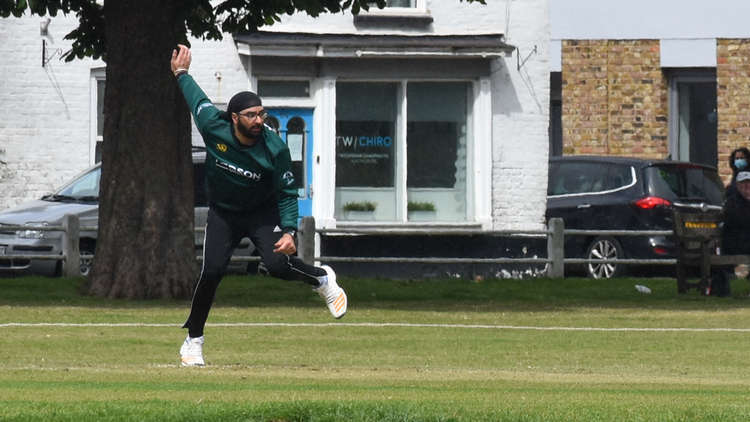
(306, 240)
(556, 248)
(71, 237)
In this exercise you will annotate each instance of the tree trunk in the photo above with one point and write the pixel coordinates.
(146, 243)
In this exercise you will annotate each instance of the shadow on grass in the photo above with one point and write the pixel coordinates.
(440, 295)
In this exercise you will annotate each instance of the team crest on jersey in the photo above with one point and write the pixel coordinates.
(221, 147)
(288, 178)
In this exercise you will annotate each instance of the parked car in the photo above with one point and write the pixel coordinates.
(615, 193)
(81, 197)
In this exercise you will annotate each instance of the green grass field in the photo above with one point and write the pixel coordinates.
(438, 350)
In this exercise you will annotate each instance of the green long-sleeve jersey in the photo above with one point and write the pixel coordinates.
(238, 177)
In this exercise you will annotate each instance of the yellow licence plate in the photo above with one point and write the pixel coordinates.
(700, 224)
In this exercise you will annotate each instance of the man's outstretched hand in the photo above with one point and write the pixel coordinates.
(180, 59)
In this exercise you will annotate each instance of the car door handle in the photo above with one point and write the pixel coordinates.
(583, 206)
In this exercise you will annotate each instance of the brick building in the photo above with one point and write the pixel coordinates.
(671, 83)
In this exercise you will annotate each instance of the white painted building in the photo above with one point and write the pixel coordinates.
(439, 102)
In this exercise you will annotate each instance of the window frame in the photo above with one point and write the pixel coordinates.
(676, 77)
(420, 8)
(478, 159)
(98, 74)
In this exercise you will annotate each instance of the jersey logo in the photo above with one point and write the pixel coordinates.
(221, 147)
(288, 178)
(238, 171)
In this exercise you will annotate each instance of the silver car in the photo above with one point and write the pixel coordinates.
(81, 197)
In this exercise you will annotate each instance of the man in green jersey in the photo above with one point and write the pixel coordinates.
(251, 194)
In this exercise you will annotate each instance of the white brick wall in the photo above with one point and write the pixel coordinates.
(46, 116)
(520, 120)
(44, 129)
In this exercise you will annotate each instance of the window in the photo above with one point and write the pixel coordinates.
(397, 14)
(85, 186)
(365, 145)
(692, 116)
(555, 114)
(569, 178)
(98, 85)
(402, 147)
(400, 3)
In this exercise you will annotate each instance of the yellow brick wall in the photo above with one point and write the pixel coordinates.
(614, 98)
(733, 98)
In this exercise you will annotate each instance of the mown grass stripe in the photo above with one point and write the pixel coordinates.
(382, 325)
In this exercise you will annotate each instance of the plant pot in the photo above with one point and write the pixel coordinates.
(422, 215)
(359, 215)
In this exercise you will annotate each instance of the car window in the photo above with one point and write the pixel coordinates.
(86, 185)
(618, 176)
(586, 177)
(686, 183)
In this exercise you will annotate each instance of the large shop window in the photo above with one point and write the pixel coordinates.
(401, 151)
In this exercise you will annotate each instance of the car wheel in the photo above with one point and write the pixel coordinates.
(604, 248)
(86, 263)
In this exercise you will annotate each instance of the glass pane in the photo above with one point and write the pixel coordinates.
(686, 183)
(400, 3)
(86, 185)
(365, 149)
(268, 88)
(697, 122)
(295, 139)
(436, 143)
(396, 3)
(100, 84)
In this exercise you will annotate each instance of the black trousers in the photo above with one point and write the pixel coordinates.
(224, 230)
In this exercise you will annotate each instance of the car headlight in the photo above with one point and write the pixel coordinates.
(31, 233)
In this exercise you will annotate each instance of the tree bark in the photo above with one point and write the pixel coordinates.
(145, 245)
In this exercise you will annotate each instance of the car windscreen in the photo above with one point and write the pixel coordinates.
(685, 183)
(85, 187)
(581, 177)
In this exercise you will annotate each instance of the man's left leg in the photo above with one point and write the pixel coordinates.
(292, 268)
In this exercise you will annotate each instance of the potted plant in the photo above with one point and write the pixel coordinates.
(421, 211)
(362, 210)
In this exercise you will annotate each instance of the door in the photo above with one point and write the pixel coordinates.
(294, 126)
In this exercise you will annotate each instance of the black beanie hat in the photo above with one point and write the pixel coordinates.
(241, 101)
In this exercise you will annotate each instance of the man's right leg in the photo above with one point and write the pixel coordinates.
(218, 244)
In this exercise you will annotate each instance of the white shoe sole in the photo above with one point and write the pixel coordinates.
(189, 361)
(336, 299)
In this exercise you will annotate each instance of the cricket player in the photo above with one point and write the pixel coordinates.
(251, 193)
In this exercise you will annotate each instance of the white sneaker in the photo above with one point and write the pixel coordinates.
(191, 352)
(334, 295)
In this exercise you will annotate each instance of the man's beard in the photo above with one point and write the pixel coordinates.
(248, 131)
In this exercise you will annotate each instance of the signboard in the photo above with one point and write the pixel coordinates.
(364, 154)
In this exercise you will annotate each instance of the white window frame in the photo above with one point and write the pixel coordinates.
(97, 74)
(420, 8)
(478, 156)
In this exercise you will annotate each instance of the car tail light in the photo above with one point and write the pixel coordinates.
(650, 202)
(660, 251)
